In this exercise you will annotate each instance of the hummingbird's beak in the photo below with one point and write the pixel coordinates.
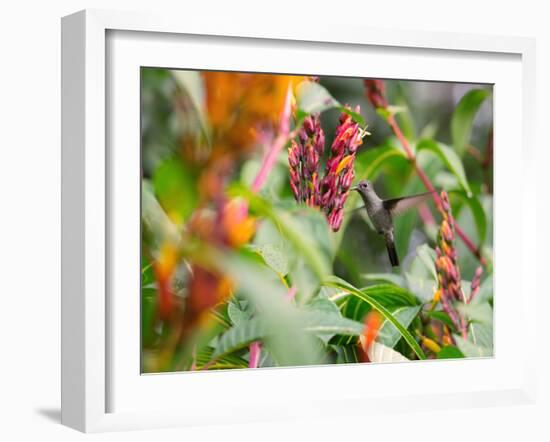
(353, 188)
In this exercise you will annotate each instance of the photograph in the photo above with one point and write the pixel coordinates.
(292, 220)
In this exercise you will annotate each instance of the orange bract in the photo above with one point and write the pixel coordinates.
(373, 322)
(239, 104)
(164, 268)
(238, 227)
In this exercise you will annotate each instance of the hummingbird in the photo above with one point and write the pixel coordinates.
(381, 213)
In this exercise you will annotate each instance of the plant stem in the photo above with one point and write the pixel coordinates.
(255, 352)
(291, 293)
(278, 144)
(429, 186)
(270, 160)
(256, 347)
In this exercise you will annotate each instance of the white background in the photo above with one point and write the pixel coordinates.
(30, 216)
(261, 392)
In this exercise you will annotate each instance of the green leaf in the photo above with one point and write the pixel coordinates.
(175, 189)
(385, 277)
(423, 288)
(463, 118)
(316, 322)
(370, 160)
(306, 229)
(311, 97)
(275, 256)
(485, 293)
(420, 275)
(441, 316)
(312, 224)
(386, 112)
(239, 337)
(477, 213)
(280, 319)
(368, 164)
(471, 350)
(304, 279)
(148, 315)
(389, 295)
(236, 313)
(346, 354)
(337, 282)
(427, 256)
(450, 352)
(450, 159)
(227, 362)
(147, 274)
(322, 322)
(479, 312)
(191, 82)
(351, 308)
(389, 334)
(480, 328)
(277, 179)
(220, 315)
(355, 116)
(323, 304)
(154, 217)
(406, 223)
(481, 334)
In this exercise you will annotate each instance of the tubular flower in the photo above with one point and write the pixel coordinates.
(237, 226)
(373, 323)
(330, 193)
(229, 226)
(448, 273)
(475, 284)
(376, 93)
(339, 172)
(430, 344)
(303, 159)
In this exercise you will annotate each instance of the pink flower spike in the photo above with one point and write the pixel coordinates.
(255, 353)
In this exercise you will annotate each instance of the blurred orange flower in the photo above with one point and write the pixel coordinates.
(238, 105)
(164, 268)
(206, 290)
(230, 226)
(238, 227)
(373, 323)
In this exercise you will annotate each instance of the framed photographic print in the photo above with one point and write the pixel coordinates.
(268, 222)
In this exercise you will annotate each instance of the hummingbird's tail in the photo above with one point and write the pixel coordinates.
(392, 253)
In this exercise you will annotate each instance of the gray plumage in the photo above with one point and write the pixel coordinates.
(381, 213)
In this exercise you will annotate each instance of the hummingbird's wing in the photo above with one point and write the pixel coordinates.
(397, 206)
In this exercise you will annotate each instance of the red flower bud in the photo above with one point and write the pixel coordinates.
(448, 273)
(331, 192)
(376, 93)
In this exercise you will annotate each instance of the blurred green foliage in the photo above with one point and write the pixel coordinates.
(338, 277)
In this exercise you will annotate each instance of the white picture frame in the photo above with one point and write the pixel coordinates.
(93, 362)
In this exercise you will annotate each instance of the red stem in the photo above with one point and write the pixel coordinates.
(270, 160)
(429, 186)
(255, 352)
(277, 145)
